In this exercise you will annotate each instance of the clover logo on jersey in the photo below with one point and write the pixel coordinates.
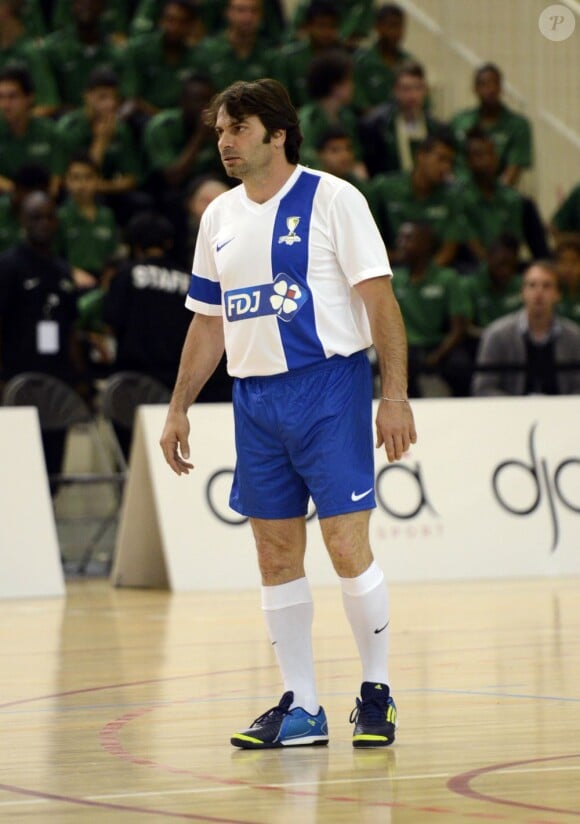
(287, 298)
(291, 237)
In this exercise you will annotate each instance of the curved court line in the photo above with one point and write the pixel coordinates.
(461, 785)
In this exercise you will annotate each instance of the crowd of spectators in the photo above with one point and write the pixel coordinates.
(106, 167)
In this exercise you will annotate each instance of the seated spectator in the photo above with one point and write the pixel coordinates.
(200, 193)
(376, 66)
(391, 131)
(25, 138)
(238, 52)
(424, 195)
(98, 130)
(114, 19)
(511, 132)
(292, 61)
(568, 266)
(157, 63)
(17, 46)
(27, 179)
(435, 310)
(356, 20)
(178, 148)
(566, 220)
(330, 88)
(88, 234)
(38, 310)
(335, 154)
(75, 52)
(520, 354)
(490, 207)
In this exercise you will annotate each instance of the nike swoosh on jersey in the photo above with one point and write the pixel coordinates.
(354, 497)
(220, 246)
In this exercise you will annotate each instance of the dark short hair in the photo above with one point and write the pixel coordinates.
(18, 73)
(268, 100)
(477, 133)
(148, 229)
(84, 159)
(331, 133)
(321, 8)
(189, 6)
(505, 241)
(389, 10)
(32, 176)
(102, 76)
(410, 69)
(326, 71)
(488, 67)
(442, 135)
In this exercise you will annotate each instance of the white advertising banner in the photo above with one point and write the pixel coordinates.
(491, 489)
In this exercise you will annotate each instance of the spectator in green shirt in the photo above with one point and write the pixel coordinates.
(330, 88)
(17, 46)
(566, 220)
(435, 310)
(375, 66)
(292, 61)
(567, 258)
(335, 154)
(25, 138)
(98, 129)
(88, 235)
(391, 131)
(114, 19)
(27, 179)
(156, 63)
(425, 195)
(511, 132)
(491, 208)
(356, 20)
(75, 52)
(238, 52)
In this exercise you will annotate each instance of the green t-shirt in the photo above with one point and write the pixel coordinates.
(165, 138)
(488, 303)
(85, 243)
(373, 79)
(314, 121)
(33, 18)
(121, 156)
(428, 305)
(10, 228)
(394, 202)
(511, 134)
(150, 77)
(290, 64)
(27, 52)
(567, 216)
(40, 144)
(219, 61)
(72, 62)
(488, 218)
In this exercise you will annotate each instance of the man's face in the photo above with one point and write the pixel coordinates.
(410, 93)
(176, 24)
(488, 88)
(436, 164)
(323, 31)
(39, 219)
(568, 265)
(540, 292)
(337, 156)
(102, 101)
(390, 30)
(482, 158)
(502, 264)
(243, 145)
(244, 16)
(413, 243)
(81, 181)
(195, 97)
(14, 103)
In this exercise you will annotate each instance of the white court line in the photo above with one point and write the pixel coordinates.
(285, 785)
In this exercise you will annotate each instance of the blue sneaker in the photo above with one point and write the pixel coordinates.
(374, 717)
(284, 727)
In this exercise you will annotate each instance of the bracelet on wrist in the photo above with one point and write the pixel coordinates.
(395, 400)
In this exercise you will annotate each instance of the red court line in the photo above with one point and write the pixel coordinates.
(461, 784)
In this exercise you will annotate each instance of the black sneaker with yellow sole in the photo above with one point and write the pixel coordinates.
(374, 716)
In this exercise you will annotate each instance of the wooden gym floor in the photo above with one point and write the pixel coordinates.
(117, 706)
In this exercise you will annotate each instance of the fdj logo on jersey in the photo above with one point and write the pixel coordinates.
(283, 297)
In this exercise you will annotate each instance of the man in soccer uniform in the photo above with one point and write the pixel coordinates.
(290, 272)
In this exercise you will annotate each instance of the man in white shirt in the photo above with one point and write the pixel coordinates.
(290, 274)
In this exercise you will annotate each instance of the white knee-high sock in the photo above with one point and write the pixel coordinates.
(366, 604)
(289, 611)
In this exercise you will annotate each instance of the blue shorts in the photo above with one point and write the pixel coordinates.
(305, 433)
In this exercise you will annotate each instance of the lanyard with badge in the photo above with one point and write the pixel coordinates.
(47, 329)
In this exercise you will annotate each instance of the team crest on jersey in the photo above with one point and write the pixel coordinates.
(283, 298)
(291, 237)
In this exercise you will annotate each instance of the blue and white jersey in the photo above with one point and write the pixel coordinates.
(282, 273)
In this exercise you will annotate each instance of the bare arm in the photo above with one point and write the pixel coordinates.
(394, 422)
(202, 350)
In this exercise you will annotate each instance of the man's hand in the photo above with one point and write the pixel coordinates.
(395, 428)
(175, 442)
